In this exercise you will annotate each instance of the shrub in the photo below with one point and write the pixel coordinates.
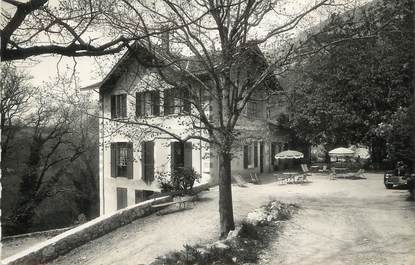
(182, 179)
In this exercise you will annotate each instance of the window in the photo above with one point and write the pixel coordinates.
(121, 198)
(176, 100)
(252, 110)
(168, 102)
(181, 155)
(147, 161)
(248, 159)
(147, 103)
(255, 154)
(122, 160)
(142, 195)
(118, 106)
(184, 100)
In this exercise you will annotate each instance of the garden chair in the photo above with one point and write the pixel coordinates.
(254, 178)
(324, 169)
(306, 172)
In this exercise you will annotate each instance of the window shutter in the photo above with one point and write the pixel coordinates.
(121, 198)
(150, 161)
(143, 161)
(255, 154)
(186, 101)
(138, 104)
(113, 160)
(166, 104)
(246, 152)
(188, 154)
(123, 105)
(113, 105)
(130, 164)
(147, 149)
(155, 103)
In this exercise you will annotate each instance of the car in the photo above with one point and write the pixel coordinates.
(390, 179)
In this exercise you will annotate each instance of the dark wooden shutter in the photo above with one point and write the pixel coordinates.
(186, 100)
(113, 160)
(113, 106)
(166, 104)
(147, 149)
(121, 198)
(177, 156)
(150, 161)
(246, 154)
(255, 154)
(155, 103)
(123, 105)
(188, 154)
(130, 164)
(138, 104)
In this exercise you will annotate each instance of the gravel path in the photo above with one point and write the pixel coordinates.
(341, 222)
(364, 224)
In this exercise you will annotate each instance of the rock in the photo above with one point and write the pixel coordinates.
(219, 245)
(234, 233)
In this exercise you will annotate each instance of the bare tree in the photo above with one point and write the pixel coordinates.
(15, 93)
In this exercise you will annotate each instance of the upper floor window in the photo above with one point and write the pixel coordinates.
(148, 103)
(176, 100)
(118, 106)
(252, 110)
(122, 160)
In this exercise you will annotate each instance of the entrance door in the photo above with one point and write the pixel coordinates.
(261, 157)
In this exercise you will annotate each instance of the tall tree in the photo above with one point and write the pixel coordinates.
(340, 95)
(215, 56)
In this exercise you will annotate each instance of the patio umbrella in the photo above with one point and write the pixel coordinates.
(341, 151)
(289, 154)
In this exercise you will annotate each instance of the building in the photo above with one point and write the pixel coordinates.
(143, 118)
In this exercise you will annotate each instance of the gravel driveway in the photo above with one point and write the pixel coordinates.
(341, 222)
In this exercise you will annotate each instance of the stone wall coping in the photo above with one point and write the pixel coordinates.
(52, 241)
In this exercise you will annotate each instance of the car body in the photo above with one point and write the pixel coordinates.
(391, 180)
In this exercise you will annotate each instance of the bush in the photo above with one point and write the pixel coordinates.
(181, 179)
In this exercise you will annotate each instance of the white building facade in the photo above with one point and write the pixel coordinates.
(140, 122)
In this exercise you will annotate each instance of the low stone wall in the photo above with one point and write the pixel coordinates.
(46, 233)
(65, 242)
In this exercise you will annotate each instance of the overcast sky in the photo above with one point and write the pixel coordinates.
(90, 70)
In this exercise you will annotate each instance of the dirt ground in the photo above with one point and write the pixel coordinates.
(340, 222)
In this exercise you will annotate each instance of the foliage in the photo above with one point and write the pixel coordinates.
(181, 179)
(342, 94)
(50, 165)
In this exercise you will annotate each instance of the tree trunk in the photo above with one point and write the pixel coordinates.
(225, 194)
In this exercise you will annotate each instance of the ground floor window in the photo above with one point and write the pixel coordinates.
(181, 155)
(248, 156)
(121, 198)
(142, 195)
(122, 160)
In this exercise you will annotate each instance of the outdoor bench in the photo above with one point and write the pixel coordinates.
(181, 203)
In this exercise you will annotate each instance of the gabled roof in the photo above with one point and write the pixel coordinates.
(156, 58)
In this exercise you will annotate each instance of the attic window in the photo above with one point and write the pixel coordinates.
(118, 106)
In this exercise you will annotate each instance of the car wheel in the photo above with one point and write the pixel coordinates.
(389, 186)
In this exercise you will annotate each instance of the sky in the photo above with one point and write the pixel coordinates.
(88, 70)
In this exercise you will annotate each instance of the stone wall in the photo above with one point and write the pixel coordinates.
(65, 242)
